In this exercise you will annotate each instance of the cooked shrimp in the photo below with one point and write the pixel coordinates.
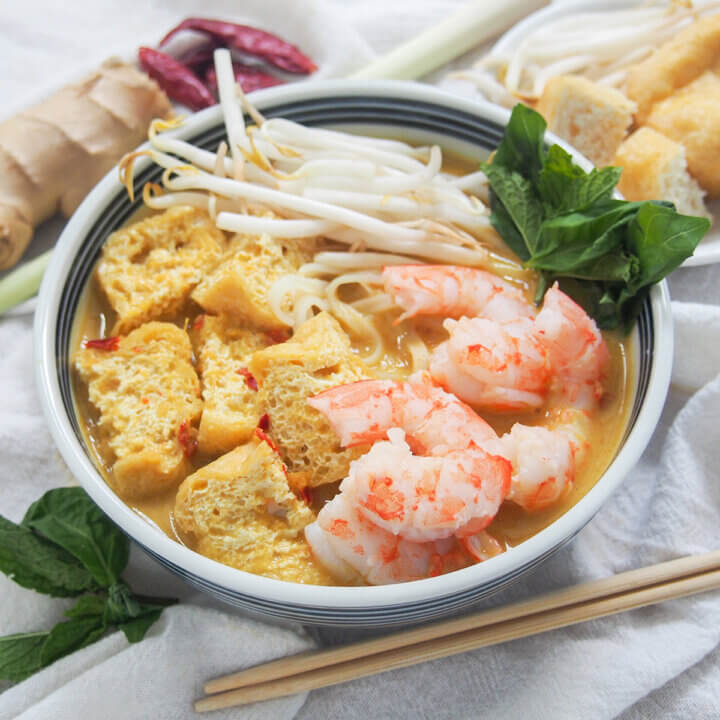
(434, 421)
(501, 355)
(578, 353)
(454, 292)
(544, 460)
(427, 498)
(499, 366)
(350, 545)
(543, 467)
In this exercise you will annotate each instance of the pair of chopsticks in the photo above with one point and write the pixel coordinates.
(316, 669)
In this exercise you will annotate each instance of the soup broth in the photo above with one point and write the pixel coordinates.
(511, 526)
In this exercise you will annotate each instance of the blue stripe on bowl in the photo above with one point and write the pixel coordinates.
(337, 111)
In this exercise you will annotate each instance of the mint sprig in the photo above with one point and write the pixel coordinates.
(564, 222)
(66, 547)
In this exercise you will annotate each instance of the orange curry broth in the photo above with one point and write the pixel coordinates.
(511, 526)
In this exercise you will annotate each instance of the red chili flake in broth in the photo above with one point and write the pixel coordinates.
(107, 344)
(187, 437)
(264, 422)
(262, 435)
(249, 378)
(275, 337)
(306, 495)
(198, 322)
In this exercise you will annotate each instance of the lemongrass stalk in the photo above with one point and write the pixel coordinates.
(472, 25)
(21, 284)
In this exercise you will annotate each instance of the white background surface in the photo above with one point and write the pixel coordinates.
(658, 662)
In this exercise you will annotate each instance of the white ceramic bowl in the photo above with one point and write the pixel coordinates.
(413, 112)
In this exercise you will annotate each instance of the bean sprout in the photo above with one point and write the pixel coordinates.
(600, 45)
(386, 201)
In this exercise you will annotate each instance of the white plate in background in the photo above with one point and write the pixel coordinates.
(708, 251)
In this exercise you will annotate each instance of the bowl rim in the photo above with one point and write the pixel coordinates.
(339, 599)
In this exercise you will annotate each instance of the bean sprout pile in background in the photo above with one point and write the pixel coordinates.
(373, 196)
(600, 45)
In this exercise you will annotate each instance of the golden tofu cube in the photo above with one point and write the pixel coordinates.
(240, 511)
(232, 406)
(239, 286)
(316, 358)
(147, 270)
(148, 397)
(593, 118)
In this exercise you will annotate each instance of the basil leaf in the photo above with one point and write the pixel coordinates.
(661, 239)
(136, 628)
(37, 564)
(566, 187)
(569, 241)
(564, 223)
(68, 517)
(66, 637)
(519, 201)
(20, 655)
(522, 148)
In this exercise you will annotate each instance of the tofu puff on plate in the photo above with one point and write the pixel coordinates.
(633, 85)
(370, 397)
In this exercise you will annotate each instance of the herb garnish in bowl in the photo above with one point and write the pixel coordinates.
(565, 223)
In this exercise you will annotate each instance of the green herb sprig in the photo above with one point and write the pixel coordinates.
(565, 223)
(66, 547)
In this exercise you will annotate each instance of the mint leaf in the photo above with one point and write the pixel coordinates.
(36, 564)
(64, 547)
(20, 655)
(522, 148)
(121, 604)
(519, 202)
(136, 628)
(566, 187)
(504, 225)
(564, 223)
(71, 635)
(69, 518)
(87, 606)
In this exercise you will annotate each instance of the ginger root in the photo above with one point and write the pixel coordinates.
(52, 154)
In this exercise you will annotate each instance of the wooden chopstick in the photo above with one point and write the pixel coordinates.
(663, 572)
(619, 593)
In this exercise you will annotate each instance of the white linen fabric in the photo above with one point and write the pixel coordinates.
(656, 662)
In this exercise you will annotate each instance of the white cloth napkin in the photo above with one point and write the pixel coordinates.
(661, 661)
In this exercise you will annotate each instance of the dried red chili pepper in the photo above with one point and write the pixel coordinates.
(249, 378)
(108, 344)
(199, 55)
(264, 422)
(261, 44)
(187, 437)
(178, 81)
(264, 437)
(249, 78)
